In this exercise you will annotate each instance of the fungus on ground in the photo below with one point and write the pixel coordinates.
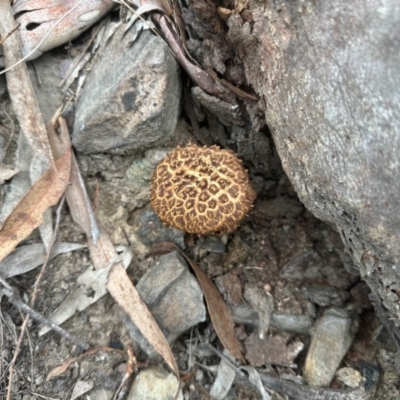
(201, 190)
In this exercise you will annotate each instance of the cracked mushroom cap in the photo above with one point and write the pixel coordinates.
(201, 190)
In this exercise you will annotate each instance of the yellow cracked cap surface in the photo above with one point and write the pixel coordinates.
(201, 190)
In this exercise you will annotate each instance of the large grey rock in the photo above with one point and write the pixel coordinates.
(173, 296)
(131, 99)
(328, 74)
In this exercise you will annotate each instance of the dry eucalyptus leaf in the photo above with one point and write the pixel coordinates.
(127, 297)
(80, 388)
(76, 194)
(26, 258)
(38, 17)
(28, 214)
(220, 314)
(225, 377)
(20, 89)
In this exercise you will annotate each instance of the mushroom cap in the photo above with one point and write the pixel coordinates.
(201, 190)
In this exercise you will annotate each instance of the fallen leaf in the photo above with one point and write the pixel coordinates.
(80, 388)
(29, 212)
(61, 21)
(220, 314)
(76, 194)
(224, 379)
(20, 89)
(125, 294)
(26, 258)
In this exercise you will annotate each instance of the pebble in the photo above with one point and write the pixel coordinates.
(155, 383)
(349, 376)
(332, 337)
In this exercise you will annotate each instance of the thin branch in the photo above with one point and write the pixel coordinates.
(2, 40)
(12, 298)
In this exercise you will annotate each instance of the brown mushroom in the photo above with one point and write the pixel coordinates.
(201, 190)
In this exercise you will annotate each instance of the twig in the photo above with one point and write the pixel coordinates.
(130, 369)
(199, 76)
(2, 40)
(12, 298)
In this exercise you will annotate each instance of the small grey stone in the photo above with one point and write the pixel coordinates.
(155, 384)
(349, 376)
(150, 230)
(131, 99)
(156, 155)
(333, 335)
(324, 296)
(173, 296)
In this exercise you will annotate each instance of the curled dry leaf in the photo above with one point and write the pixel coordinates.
(26, 258)
(38, 17)
(29, 212)
(20, 89)
(127, 297)
(220, 314)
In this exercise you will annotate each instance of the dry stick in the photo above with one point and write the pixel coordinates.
(199, 76)
(33, 299)
(12, 298)
(9, 33)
